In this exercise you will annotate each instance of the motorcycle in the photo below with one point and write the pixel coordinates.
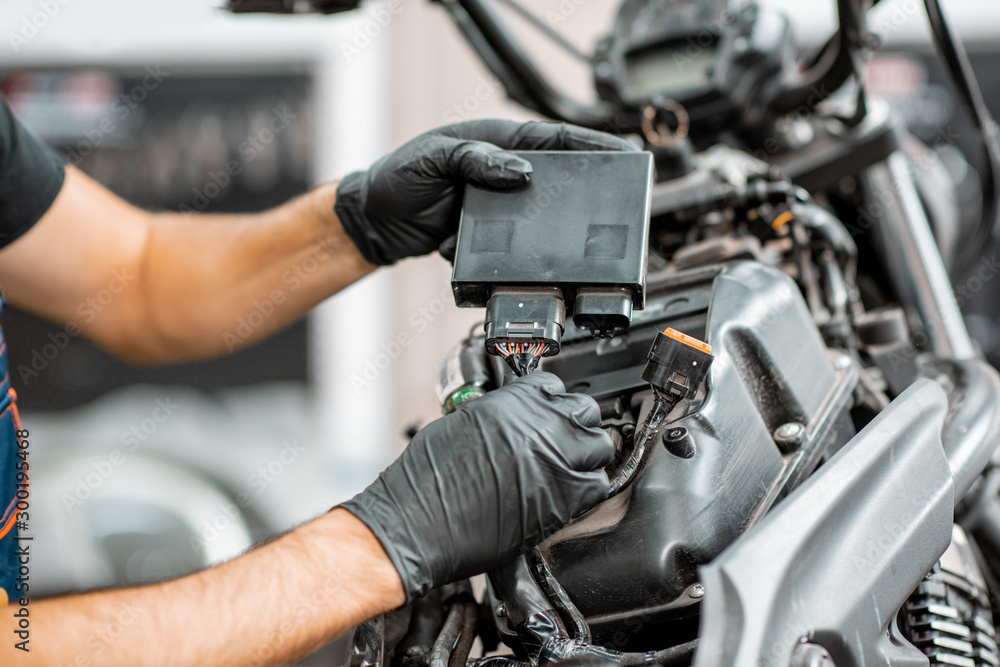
(826, 492)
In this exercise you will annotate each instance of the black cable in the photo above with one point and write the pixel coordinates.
(483, 30)
(668, 657)
(498, 661)
(830, 45)
(963, 79)
(557, 595)
(566, 45)
(643, 441)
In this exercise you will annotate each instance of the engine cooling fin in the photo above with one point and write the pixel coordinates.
(948, 618)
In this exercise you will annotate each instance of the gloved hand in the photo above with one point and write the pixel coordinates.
(407, 204)
(477, 486)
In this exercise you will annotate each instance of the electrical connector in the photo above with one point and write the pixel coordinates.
(677, 364)
(524, 324)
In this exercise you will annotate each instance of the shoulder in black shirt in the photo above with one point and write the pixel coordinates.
(30, 178)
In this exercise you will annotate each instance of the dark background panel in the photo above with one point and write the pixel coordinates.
(164, 140)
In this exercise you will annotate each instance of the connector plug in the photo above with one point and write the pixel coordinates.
(524, 324)
(677, 364)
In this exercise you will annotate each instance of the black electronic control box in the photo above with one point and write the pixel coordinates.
(581, 224)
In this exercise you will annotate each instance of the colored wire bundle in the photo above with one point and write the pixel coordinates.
(508, 348)
(522, 358)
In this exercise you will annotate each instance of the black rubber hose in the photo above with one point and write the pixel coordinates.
(970, 97)
(470, 615)
(831, 43)
(415, 648)
(441, 653)
(481, 26)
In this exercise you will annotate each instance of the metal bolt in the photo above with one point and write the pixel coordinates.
(604, 70)
(678, 442)
(841, 362)
(501, 610)
(789, 436)
(807, 654)
(697, 591)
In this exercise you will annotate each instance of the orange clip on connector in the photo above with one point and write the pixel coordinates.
(688, 340)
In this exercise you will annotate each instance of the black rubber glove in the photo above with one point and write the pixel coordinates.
(407, 204)
(476, 487)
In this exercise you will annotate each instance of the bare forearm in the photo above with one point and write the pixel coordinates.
(215, 284)
(168, 287)
(269, 607)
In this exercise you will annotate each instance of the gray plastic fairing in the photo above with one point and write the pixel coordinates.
(835, 560)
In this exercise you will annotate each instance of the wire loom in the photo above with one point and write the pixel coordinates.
(522, 358)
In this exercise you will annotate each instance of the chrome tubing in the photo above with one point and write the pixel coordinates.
(912, 258)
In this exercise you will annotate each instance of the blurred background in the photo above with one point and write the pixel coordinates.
(144, 473)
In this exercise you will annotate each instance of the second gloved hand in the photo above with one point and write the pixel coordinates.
(476, 487)
(407, 203)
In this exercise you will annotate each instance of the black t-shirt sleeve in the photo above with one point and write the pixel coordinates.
(30, 177)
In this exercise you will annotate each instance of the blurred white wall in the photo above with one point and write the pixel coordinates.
(351, 99)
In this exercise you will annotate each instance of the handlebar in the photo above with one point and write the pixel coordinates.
(833, 68)
(482, 28)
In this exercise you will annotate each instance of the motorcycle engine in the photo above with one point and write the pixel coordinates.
(776, 404)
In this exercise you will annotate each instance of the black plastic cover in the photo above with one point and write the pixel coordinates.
(291, 6)
(679, 513)
(582, 221)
